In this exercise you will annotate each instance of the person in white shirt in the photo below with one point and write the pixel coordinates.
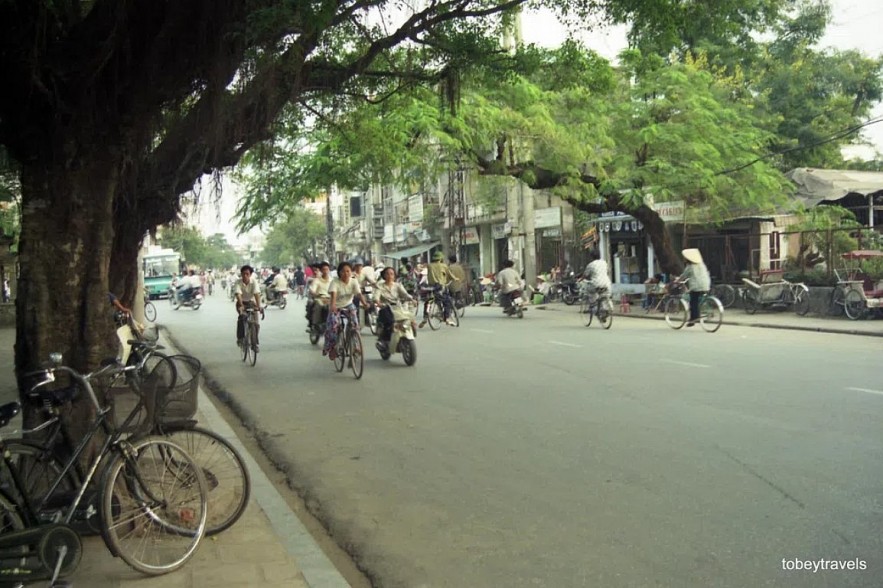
(248, 294)
(343, 290)
(317, 307)
(598, 277)
(388, 292)
(509, 282)
(278, 285)
(698, 281)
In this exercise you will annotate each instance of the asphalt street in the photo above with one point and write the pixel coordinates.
(539, 452)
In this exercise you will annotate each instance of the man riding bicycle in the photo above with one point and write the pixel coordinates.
(248, 295)
(598, 277)
(438, 277)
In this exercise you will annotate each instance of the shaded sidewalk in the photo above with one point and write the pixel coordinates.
(267, 546)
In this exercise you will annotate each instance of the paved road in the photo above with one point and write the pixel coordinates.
(540, 453)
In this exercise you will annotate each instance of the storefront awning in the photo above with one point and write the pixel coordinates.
(411, 252)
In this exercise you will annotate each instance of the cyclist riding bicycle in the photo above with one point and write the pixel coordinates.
(248, 295)
(438, 277)
(597, 274)
(343, 290)
(317, 307)
(698, 281)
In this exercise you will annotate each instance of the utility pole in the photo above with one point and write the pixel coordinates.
(329, 229)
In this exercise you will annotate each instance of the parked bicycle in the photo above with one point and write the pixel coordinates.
(151, 497)
(149, 308)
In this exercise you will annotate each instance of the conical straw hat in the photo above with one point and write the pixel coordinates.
(692, 255)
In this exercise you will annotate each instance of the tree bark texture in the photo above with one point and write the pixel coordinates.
(65, 250)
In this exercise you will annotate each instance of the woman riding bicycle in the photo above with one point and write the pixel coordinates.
(344, 288)
(698, 281)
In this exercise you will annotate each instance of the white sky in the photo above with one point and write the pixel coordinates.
(856, 25)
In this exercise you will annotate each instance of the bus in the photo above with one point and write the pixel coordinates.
(159, 265)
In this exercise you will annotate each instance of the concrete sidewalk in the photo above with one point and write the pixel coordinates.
(267, 546)
(764, 319)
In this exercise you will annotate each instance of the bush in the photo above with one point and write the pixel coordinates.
(813, 277)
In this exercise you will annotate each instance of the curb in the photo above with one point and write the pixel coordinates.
(832, 330)
(314, 565)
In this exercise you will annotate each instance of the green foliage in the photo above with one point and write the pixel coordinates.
(219, 253)
(10, 197)
(187, 241)
(289, 240)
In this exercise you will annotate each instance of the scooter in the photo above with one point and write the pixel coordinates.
(403, 339)
(186, 297)
(370, 311)
(279, 299)
(516, 305)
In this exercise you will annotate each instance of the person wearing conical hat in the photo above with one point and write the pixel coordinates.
(698, 281)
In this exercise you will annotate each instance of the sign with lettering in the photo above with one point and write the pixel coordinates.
(545, 218)
(670, 211)
(470, 236)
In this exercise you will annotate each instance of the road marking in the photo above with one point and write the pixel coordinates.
(563, 344)
(868, 390)
(482, 331)
(686, 363)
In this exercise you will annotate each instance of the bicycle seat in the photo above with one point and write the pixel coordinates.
(8, 412)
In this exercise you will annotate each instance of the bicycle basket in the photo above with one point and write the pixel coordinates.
(128, 405)
(178, 401)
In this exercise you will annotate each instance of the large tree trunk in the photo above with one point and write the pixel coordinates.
(65, 251)
(669, 259)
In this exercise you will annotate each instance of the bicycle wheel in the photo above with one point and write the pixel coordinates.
(153, 506)
(711, 313)
(253, 337)
(340, 347)
(838, 300)
(229, 485)
(801, 303)
(751, 302)
(854, 305)
(245, 346)
(433, 315)
(676, 311)
(726, 294)
(605, 313)
(355, 353)
(590, 314)
(455, 317)
(149, 311)
(38, 469)
(583, 305)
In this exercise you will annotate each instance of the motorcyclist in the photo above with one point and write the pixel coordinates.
(509, 282)
(317, 307)
(387, 293)
(276, 285)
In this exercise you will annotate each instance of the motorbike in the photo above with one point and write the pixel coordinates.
(370, 311)
(516, 305)
(315, 330)
(278, 298)
(403, 339)
(568, 289)
(191, 297)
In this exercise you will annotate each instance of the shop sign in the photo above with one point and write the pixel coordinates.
(470, 236)
(388, 235)
(415, 209)
(500, 230)
(670, 211)
(545, 218)
(556, 232)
